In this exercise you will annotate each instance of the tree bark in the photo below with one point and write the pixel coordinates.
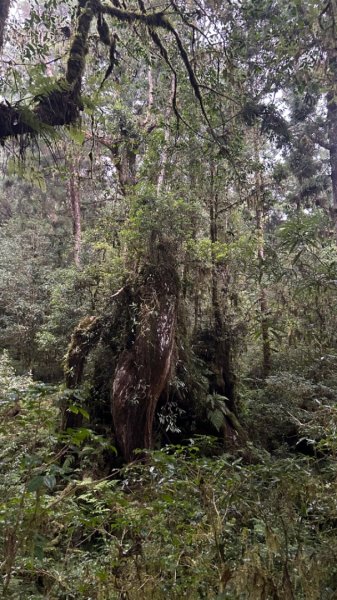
(4, 11)
(164, 155)
(83, 340)
(266, 348)
(329, 41)
(143, 370)
(332, 132)
(259, 212)
(225, 383)
(75, 205)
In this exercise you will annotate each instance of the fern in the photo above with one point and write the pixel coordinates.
(216, 410)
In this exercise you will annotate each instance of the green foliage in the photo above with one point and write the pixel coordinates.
(216, 410)
(28, 172)
(303, 231)
(151, 215)
(243, 196)
(11, 385)
(290, 408)
(179, 525)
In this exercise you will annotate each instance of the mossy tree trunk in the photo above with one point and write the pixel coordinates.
(143, 369)
(75, 206)
(84, 338)
(145, 358)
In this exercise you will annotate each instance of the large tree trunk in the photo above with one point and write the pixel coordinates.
(143, 370)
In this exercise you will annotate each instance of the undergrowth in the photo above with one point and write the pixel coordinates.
(187, 523)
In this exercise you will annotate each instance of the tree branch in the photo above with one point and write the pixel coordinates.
(62, 105)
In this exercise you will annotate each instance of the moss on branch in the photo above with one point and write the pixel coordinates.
(61, 105)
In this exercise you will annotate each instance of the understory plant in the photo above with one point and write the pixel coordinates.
(188, 521)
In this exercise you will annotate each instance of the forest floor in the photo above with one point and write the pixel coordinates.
(189, 522)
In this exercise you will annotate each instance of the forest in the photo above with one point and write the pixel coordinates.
(168, 299)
